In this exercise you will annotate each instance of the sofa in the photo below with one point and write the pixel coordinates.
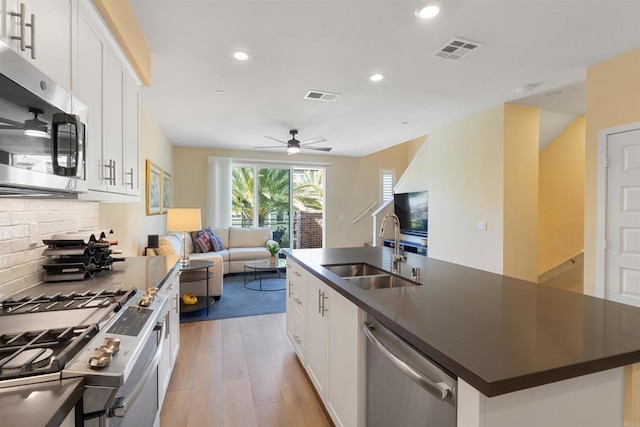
(240, 245)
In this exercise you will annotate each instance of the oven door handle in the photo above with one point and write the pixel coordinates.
(121, 408)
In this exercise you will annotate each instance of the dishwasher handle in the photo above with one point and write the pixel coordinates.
(440, 390)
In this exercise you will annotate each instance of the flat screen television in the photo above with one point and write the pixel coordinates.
(412, 210)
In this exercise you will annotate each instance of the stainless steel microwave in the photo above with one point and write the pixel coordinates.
(42, 132)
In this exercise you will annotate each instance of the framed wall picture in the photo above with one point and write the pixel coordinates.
(154, 188)
(166, 192)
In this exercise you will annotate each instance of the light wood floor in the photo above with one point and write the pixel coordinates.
(239, 372)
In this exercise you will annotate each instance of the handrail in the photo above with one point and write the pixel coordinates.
(364, 212)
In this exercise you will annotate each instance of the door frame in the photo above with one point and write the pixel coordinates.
(601, 213)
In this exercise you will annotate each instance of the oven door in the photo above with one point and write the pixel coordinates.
(136, 403)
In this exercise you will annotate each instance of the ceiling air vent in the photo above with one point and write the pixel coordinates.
(456, 48)
(322, 96)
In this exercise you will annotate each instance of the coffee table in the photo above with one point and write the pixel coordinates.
(262, 267)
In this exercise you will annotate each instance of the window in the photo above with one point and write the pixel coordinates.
(387, 178)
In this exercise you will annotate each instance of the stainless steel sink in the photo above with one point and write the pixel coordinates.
(352, 270)
(381, 281)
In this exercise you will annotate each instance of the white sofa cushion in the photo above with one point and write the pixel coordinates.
(248, 237)
(246, 254)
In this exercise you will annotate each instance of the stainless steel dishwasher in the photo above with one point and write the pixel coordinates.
(404, 388)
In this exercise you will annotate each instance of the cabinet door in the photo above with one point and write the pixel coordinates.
(50, 37)
(295, 303)
(344, 350)
(9, 23)
(131, 176)
(113, 118)
(174, 324)
(317, 311)
(90, 55)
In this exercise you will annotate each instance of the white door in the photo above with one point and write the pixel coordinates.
(623, 217)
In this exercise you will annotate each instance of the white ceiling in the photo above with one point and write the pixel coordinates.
(201, 96)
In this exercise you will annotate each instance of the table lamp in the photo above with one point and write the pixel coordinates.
(184, 220)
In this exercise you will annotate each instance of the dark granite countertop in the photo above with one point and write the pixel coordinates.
(42, 404)
(135, 272)
(497, 333)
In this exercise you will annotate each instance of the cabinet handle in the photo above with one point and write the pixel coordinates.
(130, 174)
(298, 340)
(177, 303)
(32, 46)
(319, 302)
(323, 309)
(297, 301)
(167, 329)
(290, 289)
(21, 27)
(111, 180)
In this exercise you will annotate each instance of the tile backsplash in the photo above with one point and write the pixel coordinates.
(38, 219)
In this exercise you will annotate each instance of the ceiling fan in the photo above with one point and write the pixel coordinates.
(294, 146)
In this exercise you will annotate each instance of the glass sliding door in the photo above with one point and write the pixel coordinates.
(290, 201)
(242, 196)
(274, 203)
(308, 208)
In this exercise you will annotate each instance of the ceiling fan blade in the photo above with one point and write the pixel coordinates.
(10, 127)
(276, 139)
(269, 146)
(313, 140)
(318, 148)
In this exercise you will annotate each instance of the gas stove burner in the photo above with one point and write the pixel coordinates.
(73, 300)
(28, 360)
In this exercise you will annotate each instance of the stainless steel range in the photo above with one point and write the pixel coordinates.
(110, 338)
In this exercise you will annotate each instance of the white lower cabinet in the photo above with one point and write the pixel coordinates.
(171, 346)
(333, 345)
(295, 306)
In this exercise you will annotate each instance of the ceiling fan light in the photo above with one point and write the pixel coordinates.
(429, 10)
(293, 150)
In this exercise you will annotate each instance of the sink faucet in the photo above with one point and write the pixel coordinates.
(398, 253)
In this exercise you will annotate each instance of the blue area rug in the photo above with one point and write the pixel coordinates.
(237, 301)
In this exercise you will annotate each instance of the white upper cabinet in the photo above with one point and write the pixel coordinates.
(131, 173)
(113, 117)
(42, 32)
(109, 88)
(89, 90)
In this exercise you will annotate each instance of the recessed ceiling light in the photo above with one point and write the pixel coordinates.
(555, 94)
(429, 10)
(376, 77)
(240, 56)
(219, 91)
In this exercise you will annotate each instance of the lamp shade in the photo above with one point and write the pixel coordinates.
(184, 219)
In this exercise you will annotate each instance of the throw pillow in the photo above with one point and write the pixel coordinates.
(203, 243)
(194, 237)
(217, 243)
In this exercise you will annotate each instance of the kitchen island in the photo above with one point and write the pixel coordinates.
(510, 343)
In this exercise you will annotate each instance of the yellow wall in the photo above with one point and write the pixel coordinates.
(352, 184)
(561, 197)
(613, 99)
(128, 220)
(521, 148)
(119, 17)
